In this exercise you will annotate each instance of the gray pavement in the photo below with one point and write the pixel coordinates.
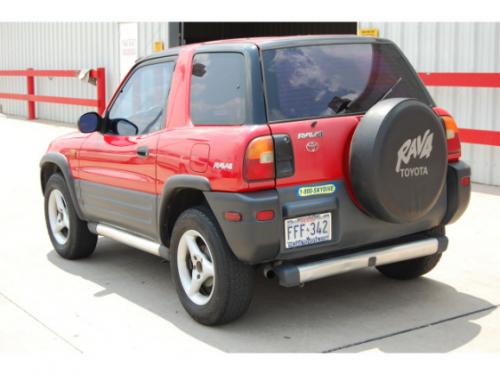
(123, 299)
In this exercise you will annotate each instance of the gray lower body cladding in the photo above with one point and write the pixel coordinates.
(252, 241)
(256, 242)
(132, 210)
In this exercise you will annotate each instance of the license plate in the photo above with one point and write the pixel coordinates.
(308, 230)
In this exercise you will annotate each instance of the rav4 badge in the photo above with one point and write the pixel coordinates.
(316, 134)
(223, 166)
(417, 148)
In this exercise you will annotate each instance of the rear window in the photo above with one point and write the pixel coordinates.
(329, 80)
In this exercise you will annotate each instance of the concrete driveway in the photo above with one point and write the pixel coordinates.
(123, 299)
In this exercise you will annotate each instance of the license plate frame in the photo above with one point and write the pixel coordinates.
(301, 236)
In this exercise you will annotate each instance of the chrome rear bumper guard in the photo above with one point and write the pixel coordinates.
(290, 274)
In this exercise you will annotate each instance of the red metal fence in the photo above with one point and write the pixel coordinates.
(98, 74)
(461, 79)
(491, 80)
(484, 137)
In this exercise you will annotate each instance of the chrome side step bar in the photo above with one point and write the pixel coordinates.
(290, 274)
(129, 239)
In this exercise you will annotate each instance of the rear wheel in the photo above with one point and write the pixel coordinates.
(213, 286)
(69, 235)
(410, 269)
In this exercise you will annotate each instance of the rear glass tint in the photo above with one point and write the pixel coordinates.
(218, 86)
(329, 80)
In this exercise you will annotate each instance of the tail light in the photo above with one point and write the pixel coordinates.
(454, 148)
(259, 159)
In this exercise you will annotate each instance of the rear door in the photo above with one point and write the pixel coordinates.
(118, 166)
(317, 94)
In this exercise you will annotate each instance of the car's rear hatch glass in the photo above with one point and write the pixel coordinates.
(335, 79)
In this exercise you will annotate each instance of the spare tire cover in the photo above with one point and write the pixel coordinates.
(398, 160)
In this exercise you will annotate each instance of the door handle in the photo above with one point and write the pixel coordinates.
(143, 151)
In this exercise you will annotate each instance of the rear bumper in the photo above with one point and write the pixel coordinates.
(458, 191)
(257, 242)
(252, 241)
(290, 274)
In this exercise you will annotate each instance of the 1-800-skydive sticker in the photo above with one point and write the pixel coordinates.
(310, 190)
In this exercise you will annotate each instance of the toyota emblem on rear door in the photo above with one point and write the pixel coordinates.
(312, 146)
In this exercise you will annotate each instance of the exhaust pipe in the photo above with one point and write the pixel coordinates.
(268, 272)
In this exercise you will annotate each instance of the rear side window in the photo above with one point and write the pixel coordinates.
(218, 89)
(319, 81)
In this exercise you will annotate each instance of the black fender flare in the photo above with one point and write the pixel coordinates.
(171, 186)
(61, 162)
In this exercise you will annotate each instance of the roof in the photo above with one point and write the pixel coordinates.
(272, 42)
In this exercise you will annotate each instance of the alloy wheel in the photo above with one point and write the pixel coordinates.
(58, 217)
(196, 267)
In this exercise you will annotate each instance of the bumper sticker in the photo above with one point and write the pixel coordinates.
(310, 190)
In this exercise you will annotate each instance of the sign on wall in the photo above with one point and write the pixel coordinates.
(128, 46)
(372, 31)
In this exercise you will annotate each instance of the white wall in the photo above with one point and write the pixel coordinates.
(149, 32)
(431, 47)
(60, 45)
(458, 47)
(47, 45)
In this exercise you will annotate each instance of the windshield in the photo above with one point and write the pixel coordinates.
(326, 80)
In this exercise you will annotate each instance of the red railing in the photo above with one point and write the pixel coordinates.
(461, 79)
(491, 80)
(99, 75)
(484, 137)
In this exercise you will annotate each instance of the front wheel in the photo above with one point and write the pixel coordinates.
(213, 286)
(69, 235)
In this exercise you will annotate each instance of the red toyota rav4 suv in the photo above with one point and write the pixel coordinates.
(303, 157)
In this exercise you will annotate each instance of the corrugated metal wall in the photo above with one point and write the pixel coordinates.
(148, 33)
(431, 47)
(458, 47)
(58, 45)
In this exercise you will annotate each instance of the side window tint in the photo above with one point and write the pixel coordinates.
(218, 88)
(140, 106)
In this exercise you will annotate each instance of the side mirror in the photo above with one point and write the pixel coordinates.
(90, 122)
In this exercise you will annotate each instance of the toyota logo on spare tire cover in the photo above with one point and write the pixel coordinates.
(398, 160)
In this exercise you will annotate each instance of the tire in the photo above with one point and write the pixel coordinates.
(226, 289)
(410, 269)
(69, 235)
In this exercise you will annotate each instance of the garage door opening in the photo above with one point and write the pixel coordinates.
(195, 32)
